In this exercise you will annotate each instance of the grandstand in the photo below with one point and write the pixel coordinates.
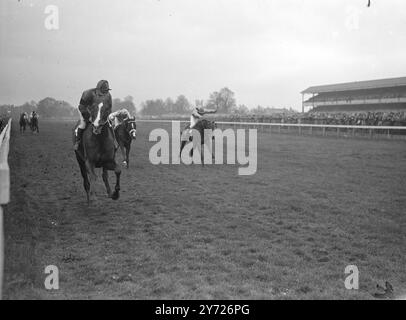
(372, 95)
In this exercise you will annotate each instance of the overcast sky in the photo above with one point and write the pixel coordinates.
(266, 51)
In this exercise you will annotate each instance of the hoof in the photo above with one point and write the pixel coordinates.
(91, 199)
(115, 195)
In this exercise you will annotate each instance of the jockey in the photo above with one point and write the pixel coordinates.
(195, 117)
(119, 116)
(88, 98)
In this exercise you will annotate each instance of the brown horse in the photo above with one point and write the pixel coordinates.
(98, 150)
(23, 122)
(34, 124)
(125, 133)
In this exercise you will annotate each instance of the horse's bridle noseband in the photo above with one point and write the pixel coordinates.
(133, 130)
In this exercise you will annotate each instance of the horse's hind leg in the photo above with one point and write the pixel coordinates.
(105, 176)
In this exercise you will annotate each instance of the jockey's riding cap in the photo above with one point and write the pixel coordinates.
(103, 86)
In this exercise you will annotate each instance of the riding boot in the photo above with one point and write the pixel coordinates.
(78, 139)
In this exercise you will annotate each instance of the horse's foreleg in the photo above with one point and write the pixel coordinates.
(116, 193)
(92, 180)
(105, 176)
(83, 171)
(202, 154)
(116, 168)
(127, 154)
(86, 183)
(122, 149)
(182, 145)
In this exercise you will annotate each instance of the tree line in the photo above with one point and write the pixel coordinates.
(58, 109)
(223, 100)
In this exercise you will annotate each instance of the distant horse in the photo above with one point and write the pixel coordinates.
(23, 122)
(125, 133)
(34, 124)
(97, 150)
(200, 127)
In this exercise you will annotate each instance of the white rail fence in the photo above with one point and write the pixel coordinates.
(302, 127)
(4, 190)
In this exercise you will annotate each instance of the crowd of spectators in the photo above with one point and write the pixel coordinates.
(358, 118)
(338, 118)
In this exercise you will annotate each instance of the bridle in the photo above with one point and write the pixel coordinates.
(133, 131)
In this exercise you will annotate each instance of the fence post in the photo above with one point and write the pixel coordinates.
(1, 251)
(324, 131)
(4, 190)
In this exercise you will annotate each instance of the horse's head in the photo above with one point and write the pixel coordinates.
(131, 127)
(98, 116)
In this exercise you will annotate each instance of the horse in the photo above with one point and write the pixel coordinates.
(125, 133)
(200, 126)
(97, 150)
(23, 122)
(34, 124)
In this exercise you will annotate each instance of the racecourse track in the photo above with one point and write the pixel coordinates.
(314, 206)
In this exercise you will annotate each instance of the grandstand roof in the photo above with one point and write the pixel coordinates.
(359, 85)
